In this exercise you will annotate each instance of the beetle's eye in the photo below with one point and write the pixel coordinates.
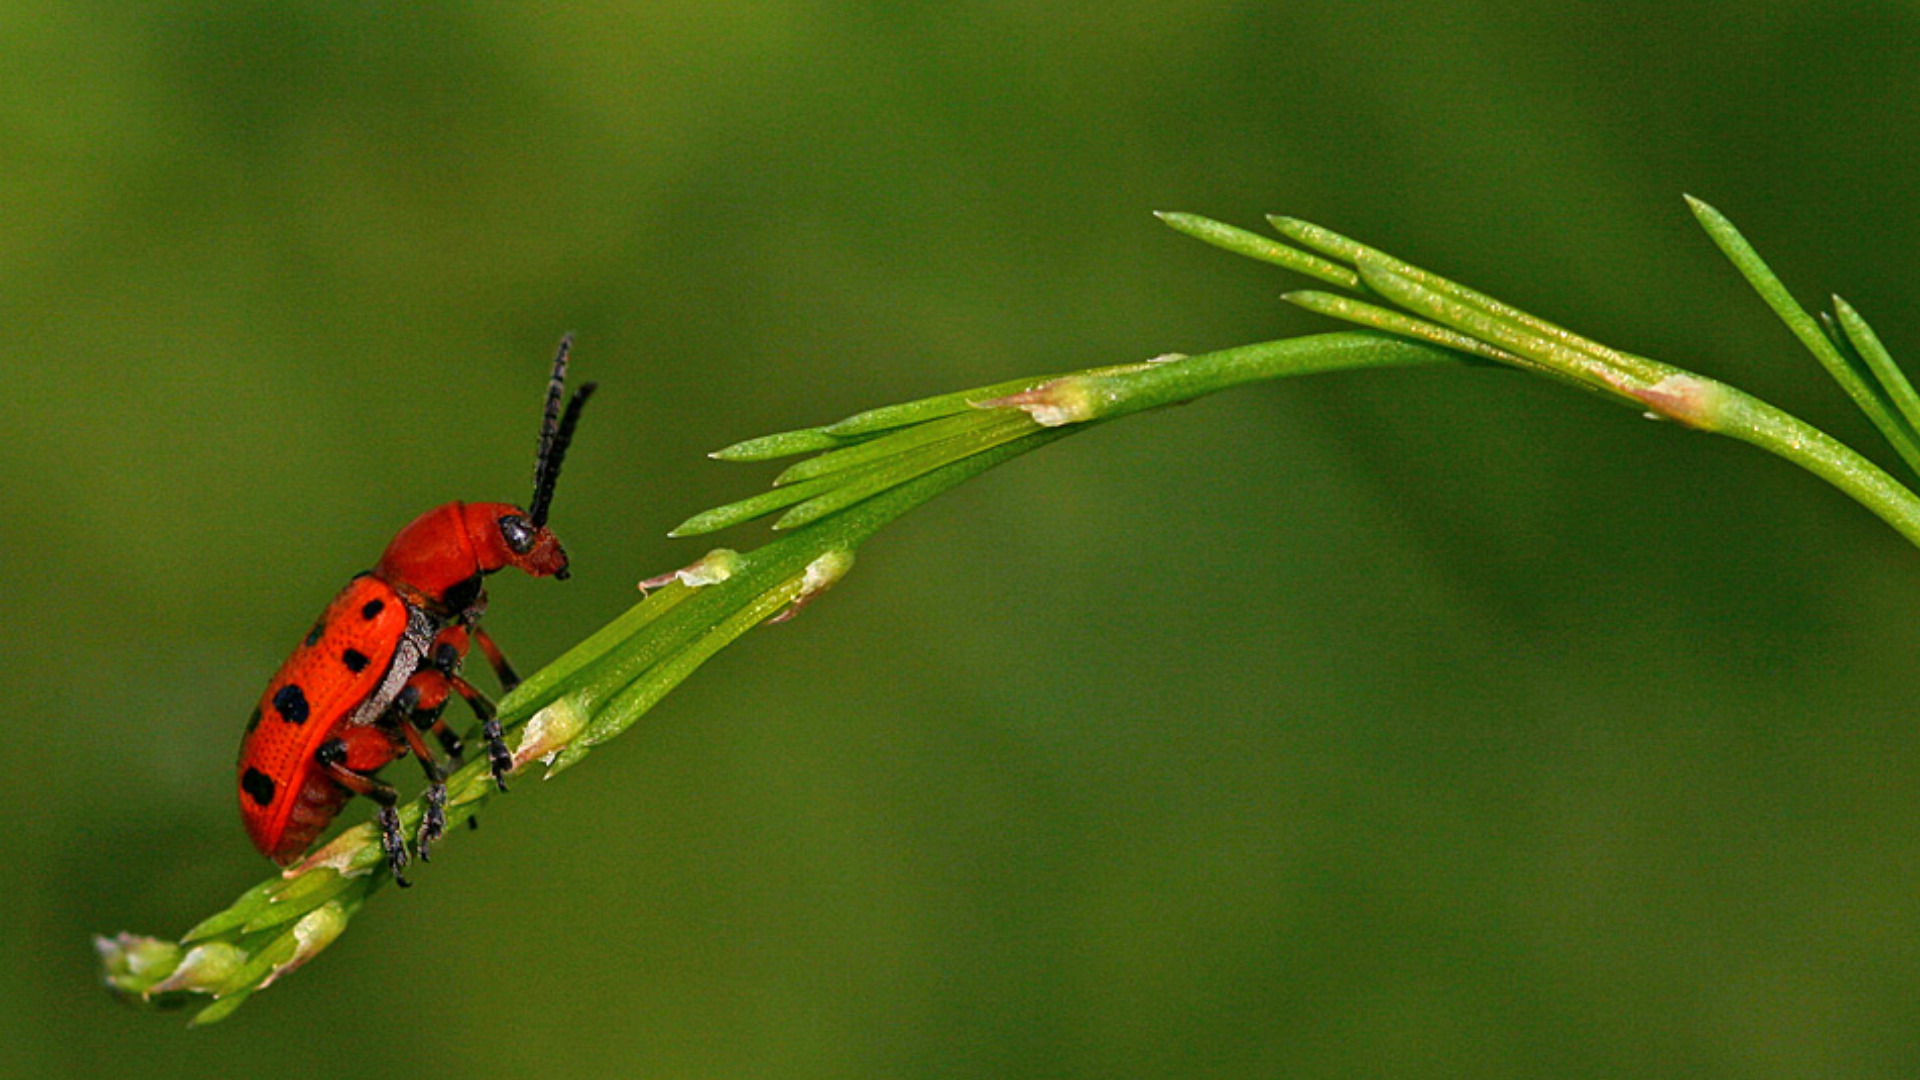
(518, 534)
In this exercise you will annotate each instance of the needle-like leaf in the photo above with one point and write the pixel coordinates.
(1868, 393)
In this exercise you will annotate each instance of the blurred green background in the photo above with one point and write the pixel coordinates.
(1435, 723)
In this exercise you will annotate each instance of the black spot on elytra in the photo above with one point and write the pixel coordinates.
(254, 720)
(258, 786)
(291, 704)
(372, 608)
(355, 660)
(313, 635)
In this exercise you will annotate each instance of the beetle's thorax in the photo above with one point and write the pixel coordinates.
(437, 560)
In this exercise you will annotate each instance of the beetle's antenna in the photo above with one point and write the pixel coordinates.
(556, 431)
(550, 420)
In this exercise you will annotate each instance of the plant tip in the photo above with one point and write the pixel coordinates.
(1702, 208)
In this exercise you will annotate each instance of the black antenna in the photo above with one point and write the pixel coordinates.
(556, 431)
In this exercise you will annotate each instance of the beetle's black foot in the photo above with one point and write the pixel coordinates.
(394, 845)
(498, 757)
(433, 823)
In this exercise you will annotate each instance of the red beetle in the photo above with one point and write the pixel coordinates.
(375, 671)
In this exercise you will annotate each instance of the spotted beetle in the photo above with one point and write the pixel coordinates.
(373, 674)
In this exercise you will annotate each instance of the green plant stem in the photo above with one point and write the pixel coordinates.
(1750, 420)
(1115, 392)
(1667, 391)
(604, 685)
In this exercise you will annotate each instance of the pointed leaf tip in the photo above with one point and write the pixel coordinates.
(1704, 210)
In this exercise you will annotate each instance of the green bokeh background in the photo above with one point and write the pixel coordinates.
(1435, 723)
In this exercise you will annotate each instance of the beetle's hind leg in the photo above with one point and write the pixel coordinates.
(332, 759)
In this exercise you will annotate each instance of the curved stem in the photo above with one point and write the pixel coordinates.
(1750, 420)
(599, 688)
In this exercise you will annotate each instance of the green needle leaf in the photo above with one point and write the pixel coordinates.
(916, 412)
(784, 444)
(1332, 243)
(1879, 362)
(1255, 246)
(1513, 336)
(643, 694)
(552, 680)
(220, 1009)
(1860, 384)
(864, 484)
(1348, 309)
(885, 446)
(303, 894)
(723, 517)
(248, 904)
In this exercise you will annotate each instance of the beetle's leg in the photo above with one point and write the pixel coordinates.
(431, 720)
(404, 721)
(426, 694)
(508, 679)
(332, 759)
(456, 750)
(446, 658)
(416, 710)
(434, 692)
(434, 821)
(498, 757)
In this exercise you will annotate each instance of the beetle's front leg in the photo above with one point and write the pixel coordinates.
(447, 660)
(508, 677)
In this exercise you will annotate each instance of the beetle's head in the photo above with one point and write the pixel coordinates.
(505, 535)
(445, 551)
